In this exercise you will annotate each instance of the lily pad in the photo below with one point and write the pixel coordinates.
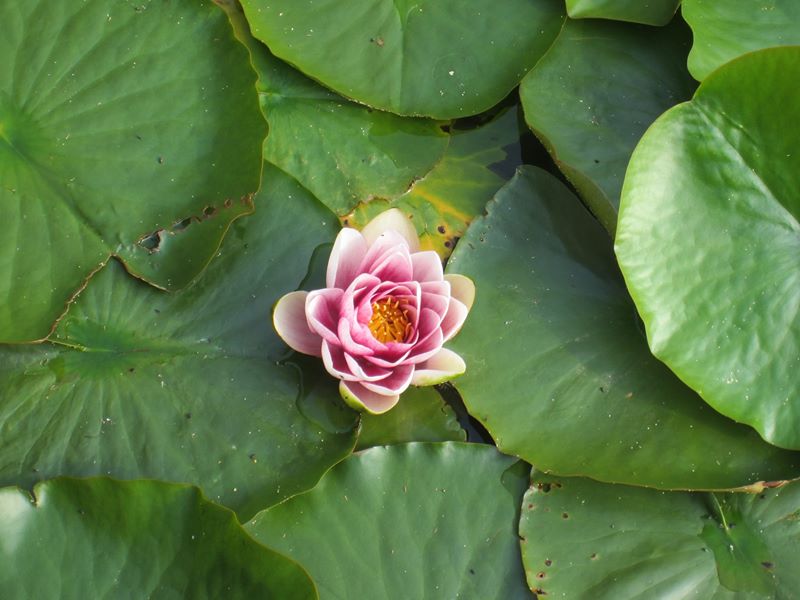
(344, 153)
(427, 521)
(558, 369)
(652, 12)
(584, 539)
(712, 255)
(725, 29)
(420, 416)
(443, 203)
(100, 538)
(117, 138)
(184, 386)
(605, 84)
(435, 58)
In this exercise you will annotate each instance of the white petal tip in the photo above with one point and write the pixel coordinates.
(462, 288)
(442, 366)
(360, 398)
(289, 321)
(392, 220)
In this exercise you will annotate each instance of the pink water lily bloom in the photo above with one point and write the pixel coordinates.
(380, 323)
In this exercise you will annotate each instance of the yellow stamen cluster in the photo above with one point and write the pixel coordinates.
(389, 322)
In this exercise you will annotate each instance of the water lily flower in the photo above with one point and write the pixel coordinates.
(380, 323)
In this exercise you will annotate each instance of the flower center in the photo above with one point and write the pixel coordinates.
(389, 322)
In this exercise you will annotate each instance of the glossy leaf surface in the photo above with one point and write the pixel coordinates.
(424, 521)
(475, 165)
(651, 12)
(117, 137)
(420, 416)
(100, 538)
(712, 255)
(725, 29)
(605, 84)
(436, 58)
(185, 386)
(558, 369)
(584, 539)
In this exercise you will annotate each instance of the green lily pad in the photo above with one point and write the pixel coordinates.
(652, 12)
(725, 29)
(117, 138)
(558, 369)
(344, 153)
(420, 416)
(443, 203)
(620, 78)
(410, 521)
(100, 538)
(712, 255)
(435, 58)
(584, 539)
(184, 386)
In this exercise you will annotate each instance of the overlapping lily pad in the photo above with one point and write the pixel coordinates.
(184, 386)
(652, 12)
(436, 58)
(420, 416)
(605, 84)
(100, 538)
(584, 539)
(443, 203)
(558, 369)
(725, 29)
(117, 127)
(712, 254)
(424, 521)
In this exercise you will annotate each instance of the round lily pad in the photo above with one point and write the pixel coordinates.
(725, 29)
(117, 137)
(709, 241)
(606, 83)
(188, 386)
(584, 539)
(436, 58)
(100, 538)
(558, 368)
(426, 521)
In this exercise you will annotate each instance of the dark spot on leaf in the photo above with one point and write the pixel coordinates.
(209, 211)
(345, 222)
(138, 137)
(472, 571)
(597, 162)
(157, 311)
(252, 457)
(540, 592)
(448, 244)
(548, 562)
(540, 575)
(602, 390)
(530, 506)
(160, 160)
(543, 487)
(152, 242)
(440, 229)
(564, 516)
(188, 415)
(131, 370)
(763, 496)
(593, 556)
(767, 565)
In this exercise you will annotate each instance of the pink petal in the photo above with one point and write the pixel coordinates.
(365, 370)
(350, 345)
(395, 383)
(461, 288)
(427, 347)
(360, 398)
(440, 367)
(322, 312)
(388, 258)
(392, 220)
(335, 363)
(289, 320)
(454, 319)
(427, 266)
(349, 250)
